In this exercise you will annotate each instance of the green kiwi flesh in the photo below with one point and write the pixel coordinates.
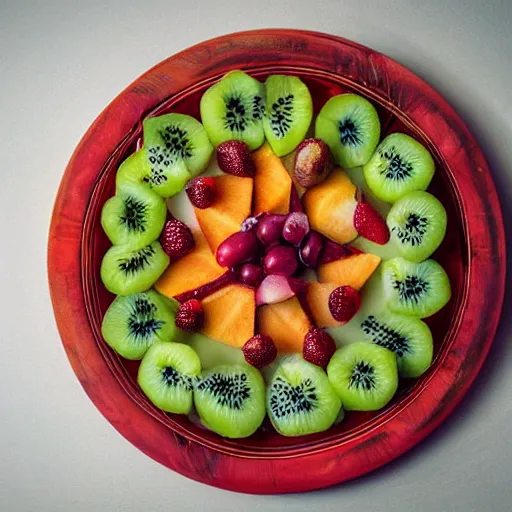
(300, 399)
(288, 113)
(399, 165)
(176, 145)
(408, 337)
(132, 323)
(350, 126)
(364, 376)
(230, 400)
(233, 109)
(125, 271)
(416, 289)
(167, 374)
(157, 174)
(134, 217)
(417, 223)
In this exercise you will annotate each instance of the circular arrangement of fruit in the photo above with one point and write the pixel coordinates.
(290, 278)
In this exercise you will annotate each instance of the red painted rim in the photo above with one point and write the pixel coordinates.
(328, 461)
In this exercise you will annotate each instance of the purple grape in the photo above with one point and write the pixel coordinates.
(251, 274)
(270, 227)
(296, 227)
(311, 249)
(238, 248)
(281, 260)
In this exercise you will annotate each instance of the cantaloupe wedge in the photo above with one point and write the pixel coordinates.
(317, 296)
(272, 183)
(229, 315)
(286, 323)
(330, 207)
(231, 207)
(354, 270)
(193, 270)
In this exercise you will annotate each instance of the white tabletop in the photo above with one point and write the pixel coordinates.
(61, 62)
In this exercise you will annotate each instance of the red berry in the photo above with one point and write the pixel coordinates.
(234, 157)
(259, 350)
(202, 192)
(318, 347)
(344, 303)
(370, 224)
(176, 239)
(190, 316)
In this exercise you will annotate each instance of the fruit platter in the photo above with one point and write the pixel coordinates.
(278, 261)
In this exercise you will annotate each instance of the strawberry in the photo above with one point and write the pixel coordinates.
(259, 350)
(318, 347)
(313, 162)
(369, 224)
(202, 192)
(344, 303)
(190, 316)
(176, 239)
(234, 157)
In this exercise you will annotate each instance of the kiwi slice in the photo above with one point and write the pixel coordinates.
(350, 126)
(300, 399)
(416, 289)
(158, 174)
(288, 113)
(408, 337)
(233, 109)
(230, 400)
(417, 223)
(125, 271)
(365, 376)
(399, 165)
(167, 374)
(134, 322)
(177, 148)
(134, 217)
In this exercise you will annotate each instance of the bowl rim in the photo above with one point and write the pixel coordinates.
(476, 324)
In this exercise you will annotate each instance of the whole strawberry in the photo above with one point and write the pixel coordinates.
(190, 316)
(313, 162)
(369, 224)
(202, 192)
(318, 347)
(234, 157)
(176, 239)
(344, 303)
(259, 351)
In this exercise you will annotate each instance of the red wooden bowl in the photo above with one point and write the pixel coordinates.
(473, 255)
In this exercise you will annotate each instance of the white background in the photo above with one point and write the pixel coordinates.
(60, 64)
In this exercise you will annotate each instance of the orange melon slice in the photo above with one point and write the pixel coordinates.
(353, 271)
(272, 183)
(317, 296)
(231, 207)
(229, 315)
(193, 270)
(286, 323)
(330, 207)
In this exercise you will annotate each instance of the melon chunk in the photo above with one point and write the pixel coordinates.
(353, 270)
(317, 296)
(193, 270)
(330, 207)
(229, 315)
(286, 323)
(272, 183)
(231, 207)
